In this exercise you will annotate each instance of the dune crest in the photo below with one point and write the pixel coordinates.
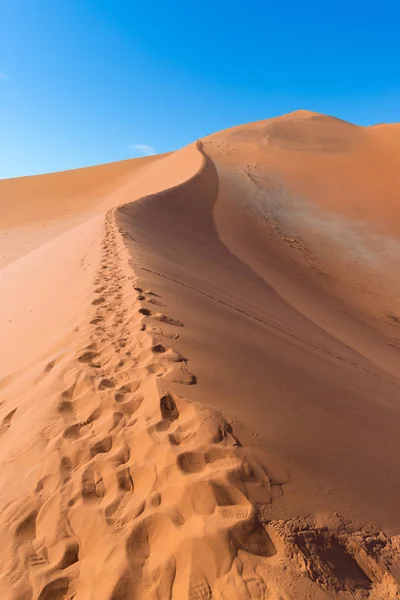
(197, 420)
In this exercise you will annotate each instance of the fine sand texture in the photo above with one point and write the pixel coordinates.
(200, 389)
(36, 209)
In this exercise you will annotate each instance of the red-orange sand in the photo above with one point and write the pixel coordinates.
(200, 371)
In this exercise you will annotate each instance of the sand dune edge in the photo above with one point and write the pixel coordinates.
(240, 552)
(145, 493)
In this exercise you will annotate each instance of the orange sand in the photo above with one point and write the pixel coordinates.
(200, 382)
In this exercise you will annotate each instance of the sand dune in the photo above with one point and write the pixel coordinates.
(200, 391)
(36, 209)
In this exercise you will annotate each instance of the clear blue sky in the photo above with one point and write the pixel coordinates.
(84, 81)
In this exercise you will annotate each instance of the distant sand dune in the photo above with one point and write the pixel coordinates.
(36, 209)
(197, 400)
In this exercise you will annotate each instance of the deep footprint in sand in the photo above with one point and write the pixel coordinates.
(182, 376)
(158, 349)
(170, 321)
(72, 432)
(106, 383)
(214, 459)
(124, 391)
(199, 589)
(118, 420)
(66, 468)
(101, 447)
(168, 408)
(6, 424)
(26, 529)
(55, 590)
(88, 356)
(124, 480)
(155, 302)
(130, 405)
(96, 320)
(98, 301)
(92, 485)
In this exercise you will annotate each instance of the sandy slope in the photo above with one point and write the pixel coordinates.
(36, 209)
(200, 389)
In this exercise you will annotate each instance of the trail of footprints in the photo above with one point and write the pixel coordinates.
(141, 476)
(133, 464)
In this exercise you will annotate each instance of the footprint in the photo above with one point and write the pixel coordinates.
(7, 421)
(168, 408)
(66, 468)
(155, 302)
(218, 458)
(26, 529)
(128, 363)
(130, 406)
(122, 455)
(55, 590)
(65, 408)
(178, 371)
(160, 332)
(102, 446)
(123, 589)
(127, 387)
(40, 486)
(120, 343)
(35, 560)
(120, 395)
(329, 560)
(154, 500)
(117, 418)
(191, 462)
(157, 369)
(158, 348)
(92, 488)
(124, 479)
(96, 320)
(184, 377)
(98, 301)
(234, 513)
(180, 436)
(72, 431)
(106, 383)
(170, 321)
(195, 462)
(199, 589)
(88, 356)
(70, 556)
(49, 366)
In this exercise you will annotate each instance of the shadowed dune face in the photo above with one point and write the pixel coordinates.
(294, 377)
(200, 394)
(330, 189)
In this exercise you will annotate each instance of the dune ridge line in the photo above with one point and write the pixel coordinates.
(123, 476)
